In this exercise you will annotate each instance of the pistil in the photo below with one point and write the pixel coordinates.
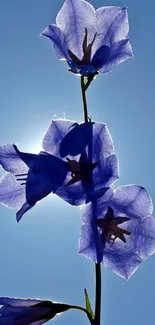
(87, 49)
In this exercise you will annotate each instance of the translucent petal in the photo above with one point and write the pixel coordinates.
(144, 237)
(123, 263)
(119, 52)
(12, 193)
(73, 194)
(89, 242)
(21, 195)
(72, 19)
(55, 34)
(12, 161)
(106, 172)
(91, 139)
(54, 135)
(132, 200)
(112, 25)
(65, 137)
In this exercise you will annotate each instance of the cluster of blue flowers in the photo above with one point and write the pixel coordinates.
(78, 162)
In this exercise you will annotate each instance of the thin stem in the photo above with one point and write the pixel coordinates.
(98, 294)
(84, 100)
(90, 79)
(85, 311)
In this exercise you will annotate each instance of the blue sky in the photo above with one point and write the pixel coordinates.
(39, 255)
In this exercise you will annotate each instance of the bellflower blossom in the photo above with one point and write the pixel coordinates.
(15, 311)
(91, 41)
(118, 229)
(77, 160)
(89, 151)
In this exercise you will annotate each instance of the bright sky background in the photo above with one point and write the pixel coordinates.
(39, 255)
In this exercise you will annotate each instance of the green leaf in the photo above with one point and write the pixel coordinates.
(88, 304)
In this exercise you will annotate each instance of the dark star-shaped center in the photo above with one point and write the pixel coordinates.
(109, 227)
(87, 48)
(81, 170)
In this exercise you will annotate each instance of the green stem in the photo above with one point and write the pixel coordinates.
(84, 99)
(98, 294)
(85, 311)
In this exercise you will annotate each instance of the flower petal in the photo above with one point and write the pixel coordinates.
(18, 302)
(122, 262)
(55, 34)
(12, 194)
(89, 242)
(133, 201)
(89, 245)
(57, 130)
(12, 162)
(72, 19)
(122, 257)
(35, 189)
(25, 314)
(100, 57)
(106, 172)
(112, 25)
(144, 237)
(22, 194)
(23, 210)
(73, 194)
(119, 52)
(50, 170)
(65, 137)
(14, 311)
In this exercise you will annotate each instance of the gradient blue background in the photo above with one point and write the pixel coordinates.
(38, 257)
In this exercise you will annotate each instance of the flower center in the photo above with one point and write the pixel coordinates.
(109, 227)
(80, 171)
(87, 48)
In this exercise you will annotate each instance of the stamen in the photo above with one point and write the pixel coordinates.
(20, 178)
(109, 227)
(21, 174)
(80, 171)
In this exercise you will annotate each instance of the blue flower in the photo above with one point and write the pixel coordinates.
(15, 311)
(88, 150)
(77, 160)
(90, 40)
(118, 229)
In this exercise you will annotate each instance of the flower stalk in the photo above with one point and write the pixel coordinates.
(83, 89)
(98, 294)
(91, 320)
